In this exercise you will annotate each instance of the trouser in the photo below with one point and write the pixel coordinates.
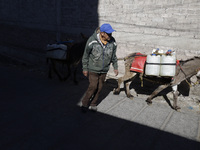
(96, 81)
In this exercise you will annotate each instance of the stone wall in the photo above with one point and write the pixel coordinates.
(144, 25)
(148, 24)
(34, 23)
(141, 25)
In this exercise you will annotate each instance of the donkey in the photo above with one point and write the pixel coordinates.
(184, 71)
(73, 58)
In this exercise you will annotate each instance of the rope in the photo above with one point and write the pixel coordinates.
(188, 82)
(187, 79)
(142, 78)
(124, 58)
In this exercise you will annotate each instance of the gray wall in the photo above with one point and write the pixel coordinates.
(33, 23)
(141, 24)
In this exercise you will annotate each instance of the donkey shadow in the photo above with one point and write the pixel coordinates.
(147, 87)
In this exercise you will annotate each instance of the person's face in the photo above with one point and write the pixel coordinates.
(106, 36)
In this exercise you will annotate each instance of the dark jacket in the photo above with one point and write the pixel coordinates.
(98, 57)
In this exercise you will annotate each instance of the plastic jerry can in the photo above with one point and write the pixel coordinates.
(152, 67)
(168, 65)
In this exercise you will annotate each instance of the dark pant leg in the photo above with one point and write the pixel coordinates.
(93, 83)
(101, 81)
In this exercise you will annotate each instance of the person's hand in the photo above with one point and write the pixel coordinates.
(85, 73)
(116, 72)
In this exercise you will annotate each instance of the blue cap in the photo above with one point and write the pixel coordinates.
(106, 28)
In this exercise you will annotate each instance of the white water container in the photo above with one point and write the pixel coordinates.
(168, 65)
(152, 67)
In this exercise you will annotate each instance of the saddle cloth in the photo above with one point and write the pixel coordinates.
(56, 51)
(138, 63)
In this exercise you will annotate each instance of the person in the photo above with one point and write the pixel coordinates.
(99, 53)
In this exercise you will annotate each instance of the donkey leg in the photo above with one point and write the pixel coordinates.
(50, 71)
(74, 79)
(76, 65)
(175, 97)
(68, 72)
(158, 90)
(117, 90)
(127, 77)
(127, 89)
(50, 68)
(127, 85)
(55, 70)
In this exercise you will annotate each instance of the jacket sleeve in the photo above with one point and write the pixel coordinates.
(85, 58)
(114, 57)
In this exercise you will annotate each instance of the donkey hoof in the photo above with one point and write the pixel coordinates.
(177, 108)
(130, 96)
(61, 80)
(149, 102)
(115, 92)
(64, 79)
(75, 82)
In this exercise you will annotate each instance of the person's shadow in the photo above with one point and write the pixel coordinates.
(108, 87)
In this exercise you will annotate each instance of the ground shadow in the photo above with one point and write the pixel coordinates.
(37, 113)
(41, 114)
(108, 87)
(150, 85)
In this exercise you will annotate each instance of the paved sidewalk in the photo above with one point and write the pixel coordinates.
(42, 114)
(158, 116)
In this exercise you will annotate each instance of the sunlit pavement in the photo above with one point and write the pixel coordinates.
(39, 113)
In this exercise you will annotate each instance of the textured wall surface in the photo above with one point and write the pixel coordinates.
(144, 25)
(141, 24)
(155, 23)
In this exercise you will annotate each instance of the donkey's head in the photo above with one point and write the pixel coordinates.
(198, 74)
(197, 66)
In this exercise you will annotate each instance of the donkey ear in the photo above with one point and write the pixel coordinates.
(83, 36)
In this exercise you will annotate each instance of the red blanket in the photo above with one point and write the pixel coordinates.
(138, 64)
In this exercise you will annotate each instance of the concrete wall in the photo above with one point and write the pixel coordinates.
(146, 24)
(141, 24)
(34, 23)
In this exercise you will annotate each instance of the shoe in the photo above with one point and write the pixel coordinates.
(84, 109)
(93, 108)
